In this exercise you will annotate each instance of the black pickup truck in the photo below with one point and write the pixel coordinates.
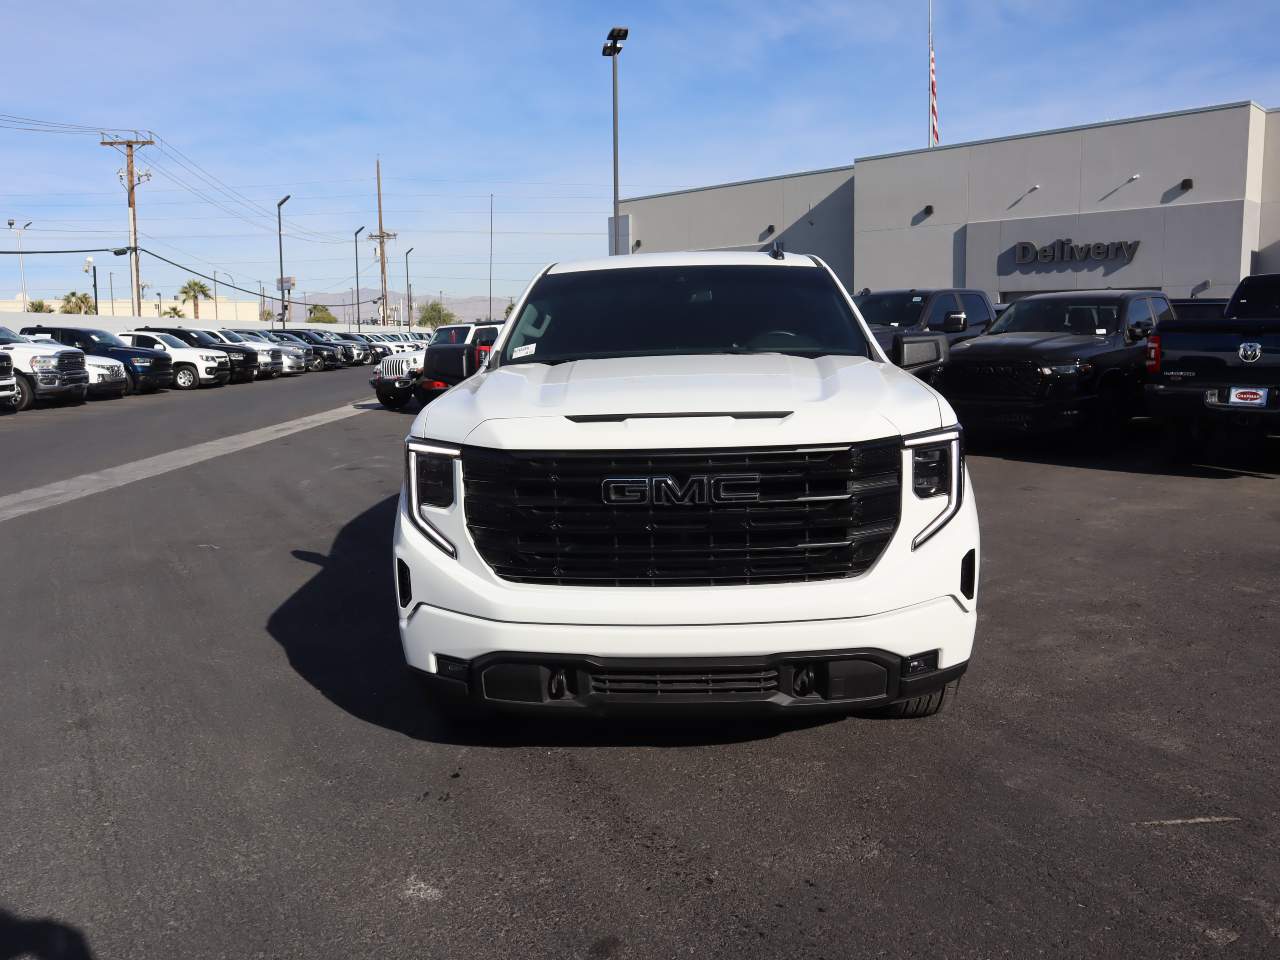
(1056, 360)
(956, 313)
(1206, 377)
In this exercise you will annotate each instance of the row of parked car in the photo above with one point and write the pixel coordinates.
(70, 364)
(1079, 359)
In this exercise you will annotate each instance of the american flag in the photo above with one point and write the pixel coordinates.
(933, 96)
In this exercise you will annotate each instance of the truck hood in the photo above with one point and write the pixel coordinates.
(37, 348)
(1029, 346)
(683, 401)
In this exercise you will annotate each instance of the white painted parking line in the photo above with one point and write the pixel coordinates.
(65, 491)
(1186, 821)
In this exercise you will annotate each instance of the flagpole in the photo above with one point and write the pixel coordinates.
(929, 112)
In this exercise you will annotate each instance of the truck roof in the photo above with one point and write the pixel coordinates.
(705, 258)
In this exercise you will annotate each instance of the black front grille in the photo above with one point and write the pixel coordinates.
(6, 364)
(665, 683)
(822, 514)
(977, 379)
(70, 361)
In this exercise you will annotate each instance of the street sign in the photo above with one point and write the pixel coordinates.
(285, 283)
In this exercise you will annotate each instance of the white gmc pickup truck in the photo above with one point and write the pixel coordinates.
(690, 481)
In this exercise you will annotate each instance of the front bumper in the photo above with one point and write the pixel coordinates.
(912, 602)
(1021, 416)
(55, 384)
(294, 364)
(147, 380)
(8, 392)
(107, 388)
(271, 368)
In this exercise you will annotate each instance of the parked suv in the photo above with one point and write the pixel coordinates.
(324, 356)
(295, 357)
(44, 371)
(107, 377)
(146, 370)
(959, 314)
(689, 480)
(270, 359)
(1056, 360)
(333, 354)
(192, 366)
(243, 359)
(455, 353)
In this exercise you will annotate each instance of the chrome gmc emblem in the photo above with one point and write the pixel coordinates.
(667, 490)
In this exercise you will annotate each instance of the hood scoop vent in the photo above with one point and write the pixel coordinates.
(621, 417)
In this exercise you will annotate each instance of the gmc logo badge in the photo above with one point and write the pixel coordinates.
(667, 491)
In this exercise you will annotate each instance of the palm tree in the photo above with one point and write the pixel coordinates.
(39, 306)
(193, 291)
(175, 312)
(77, 303)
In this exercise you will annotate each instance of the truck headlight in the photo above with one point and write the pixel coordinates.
(937, 470)
(429, 471)
(1065, 369)
(44, 363)
(209, 357)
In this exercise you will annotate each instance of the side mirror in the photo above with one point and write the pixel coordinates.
(919, 352)
(957, 322)
(1140, 329)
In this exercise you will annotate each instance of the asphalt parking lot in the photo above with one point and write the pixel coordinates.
(210, 748)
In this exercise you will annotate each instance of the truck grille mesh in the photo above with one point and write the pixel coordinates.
(823, 514)
(70, 361)
(665, 683)
(962, 378)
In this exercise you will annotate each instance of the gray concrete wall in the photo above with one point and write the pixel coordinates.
(810, 213)
(1269, 200)
(1076, 184)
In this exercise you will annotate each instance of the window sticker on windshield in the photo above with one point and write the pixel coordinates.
(1100, 331)
(916, 299)
(524, 351)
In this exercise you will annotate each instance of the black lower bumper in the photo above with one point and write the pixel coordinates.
(107, 388)
(1021, 416)
(1208, 401)
(834, 681)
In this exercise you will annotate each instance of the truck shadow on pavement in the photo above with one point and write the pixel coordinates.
(40, 939)
(339, 632)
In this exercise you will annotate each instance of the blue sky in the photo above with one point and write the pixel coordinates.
(464, 100)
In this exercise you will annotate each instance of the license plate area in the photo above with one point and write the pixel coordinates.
(1247, 396)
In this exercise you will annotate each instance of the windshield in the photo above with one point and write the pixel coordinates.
(288, 338)
(199, 338)
(674, 311)
(104, 339)
(170, 339)
(229, 335)
(1059, 315)
(1257, 298)
(8, 336)
(891, 309)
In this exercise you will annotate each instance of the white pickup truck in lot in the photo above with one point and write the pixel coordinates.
(690, 481)
(44, 370)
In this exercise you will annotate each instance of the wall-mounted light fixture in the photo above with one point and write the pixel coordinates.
(635, 246)
(1134, 176)
(928, 210)
(1033, 188)
(768, 231)
(1187, 183)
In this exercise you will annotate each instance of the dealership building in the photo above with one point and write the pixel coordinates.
(1186, 202)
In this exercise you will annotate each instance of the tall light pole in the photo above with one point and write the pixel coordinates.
(111, 290)
(408, 296)
(215, 297)
(491, 256)
(613, 47)
(159, 300)
(356, 240)
(22, 270)
(91, 267)
(280, 242)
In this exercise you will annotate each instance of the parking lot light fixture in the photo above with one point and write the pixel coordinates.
(613, 47)
(356, 240)
(280, 245)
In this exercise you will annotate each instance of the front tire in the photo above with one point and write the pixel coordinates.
(317, 364)
(392, 401)
(130, 385)
(26, 393)
(186, 378)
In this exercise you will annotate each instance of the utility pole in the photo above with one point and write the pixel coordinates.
(408, 290)
(215, 297)
(382, 237)
(131, 182)
(262, 300)
(111, 289)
